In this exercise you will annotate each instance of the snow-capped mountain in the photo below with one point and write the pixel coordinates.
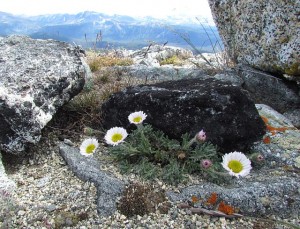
(91, 28)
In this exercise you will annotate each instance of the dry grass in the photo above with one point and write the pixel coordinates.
(96, 62)
(84, 110)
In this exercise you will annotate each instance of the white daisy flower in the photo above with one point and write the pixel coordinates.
(137, 117)
(88, 146)
(115, 135)
(237, 164)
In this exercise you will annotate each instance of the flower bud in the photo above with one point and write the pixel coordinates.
(201, 136)
(257, 158)
(260, 158)
(206, 163)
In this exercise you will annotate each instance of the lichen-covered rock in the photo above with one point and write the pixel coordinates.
(266, 194)
(37, 77)
(259, 33)
(226, 114)
(283, 146)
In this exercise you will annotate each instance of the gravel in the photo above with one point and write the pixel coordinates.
(49, 195)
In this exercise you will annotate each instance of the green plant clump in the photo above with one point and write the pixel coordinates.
(175, 60)
(151, 154)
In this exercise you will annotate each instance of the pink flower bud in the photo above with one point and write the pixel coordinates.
(206, 163)
(260, 157)
(201, 136)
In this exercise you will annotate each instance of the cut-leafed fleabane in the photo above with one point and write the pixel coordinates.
(88, 146)
(237, 164)
(115, 135)
(137, 117)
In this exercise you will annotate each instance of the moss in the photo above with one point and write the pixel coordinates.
(293, 70)
(175, 60)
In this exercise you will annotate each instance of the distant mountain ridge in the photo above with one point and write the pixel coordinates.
(118, 31)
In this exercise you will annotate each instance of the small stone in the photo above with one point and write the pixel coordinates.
(50, 208)
(122, 217)
(297, 162)
(21, 213)
(199, 224)
(69, 222)
(68, 142)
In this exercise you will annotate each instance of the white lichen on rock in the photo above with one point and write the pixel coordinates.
(263, 34)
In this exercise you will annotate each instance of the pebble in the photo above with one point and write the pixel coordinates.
(50, 208)
(21, 213)
(69, 142)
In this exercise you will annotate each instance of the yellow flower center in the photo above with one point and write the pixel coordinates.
(137, 119)
(90, 149)
(235, 166)
(117, 137)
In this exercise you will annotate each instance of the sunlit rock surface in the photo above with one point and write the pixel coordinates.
(37, 77)
(259, 33)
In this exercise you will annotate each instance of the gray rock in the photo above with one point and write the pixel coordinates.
(162, 73)
(37, 77)
(262, 87)
(284, 146)
(109, 188)
(42, 181)
(259, 33)
(254, 197)
(230, 76)
(50, 208)
(280, 94)
(226, 114)
(294, 116)
(275, 118)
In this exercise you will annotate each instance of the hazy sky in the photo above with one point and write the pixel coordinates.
(154, 8)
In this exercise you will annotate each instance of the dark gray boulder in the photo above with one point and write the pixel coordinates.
(37, 77)
(281, 94)
(294, 116)
(222, 110)
(109, 188)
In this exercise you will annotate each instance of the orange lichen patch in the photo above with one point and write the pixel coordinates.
(227, 209)
(271, 129)
(195, 199)
(267, 140)
(266, 121)
(212, 199)
(274, 130)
